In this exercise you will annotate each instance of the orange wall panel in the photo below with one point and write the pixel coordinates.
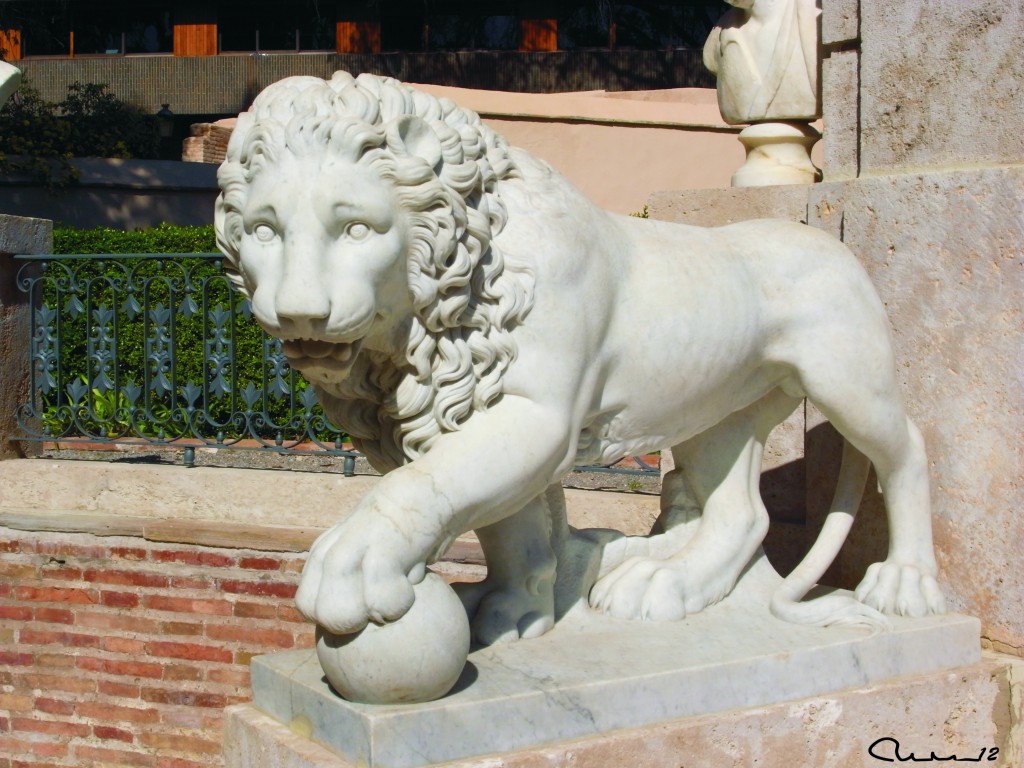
(10, 44)
(357, 37)
(195, 39)
(538, 35)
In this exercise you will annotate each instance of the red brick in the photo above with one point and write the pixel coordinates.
(54, 615)
(18, 571)
(123, 645)
(293, 566)
(187, 605)
(121, 690)
(259, 563)
(114, 757)
(73, 639)
(123, 668)
(129, 623)
(13, 659)
(6, 589)
(183, 698)
(255, 610)
(191, 582)
(59, 548)
(128, 553)
(59, 660)
(65, 683)
(178, 762)
(193, 557)
(55, 595)
(109, 733)
(244, 658)
(175, 742)
(54, 727)
(119, 599)
(115, 713)
(126, 578)
(15, 613)
(263, 588)
(16, 702)
(275, 638)
(10, 546)
(231, 676)
(12, 745)
(181, 628)
(54, 706)
(305, 639)
(189, 672)
(290, 613)
(61, 573)
(191, 651)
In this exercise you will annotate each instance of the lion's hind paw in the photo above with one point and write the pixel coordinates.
(501, 615)
(652, 589)
(901, 589)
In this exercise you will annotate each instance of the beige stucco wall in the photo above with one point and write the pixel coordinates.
(617, 148)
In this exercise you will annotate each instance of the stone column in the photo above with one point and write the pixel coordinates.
(17, 235)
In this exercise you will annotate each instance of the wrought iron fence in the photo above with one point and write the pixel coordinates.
(159, 349)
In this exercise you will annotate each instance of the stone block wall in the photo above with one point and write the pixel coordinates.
(208, 142)
(123, 651)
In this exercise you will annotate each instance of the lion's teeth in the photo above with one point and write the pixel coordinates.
(317, 349)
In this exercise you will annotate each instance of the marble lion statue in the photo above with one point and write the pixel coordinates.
(468, 317)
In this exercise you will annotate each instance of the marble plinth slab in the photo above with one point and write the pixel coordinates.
(593, 674)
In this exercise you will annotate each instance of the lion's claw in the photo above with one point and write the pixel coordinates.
(352, 578)
(900, 589)
(654, 590)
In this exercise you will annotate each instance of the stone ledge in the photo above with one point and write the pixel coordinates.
(961, 711)
(244, 508)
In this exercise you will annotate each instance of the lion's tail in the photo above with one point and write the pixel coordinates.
(831, 609)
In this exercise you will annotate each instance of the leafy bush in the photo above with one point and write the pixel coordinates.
(38, 138)
(192, 296)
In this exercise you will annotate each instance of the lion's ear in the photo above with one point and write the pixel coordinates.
(415, 137)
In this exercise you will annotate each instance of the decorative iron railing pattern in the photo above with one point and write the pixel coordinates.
(160, 349)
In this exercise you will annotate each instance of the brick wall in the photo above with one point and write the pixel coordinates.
(123, 651)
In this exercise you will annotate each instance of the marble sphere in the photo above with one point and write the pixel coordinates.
(417, 658)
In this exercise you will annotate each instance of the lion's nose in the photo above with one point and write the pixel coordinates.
(301, 304)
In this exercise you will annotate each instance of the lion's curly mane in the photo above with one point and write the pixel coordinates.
(465, 297)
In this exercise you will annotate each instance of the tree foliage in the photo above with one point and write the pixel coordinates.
(38, 138)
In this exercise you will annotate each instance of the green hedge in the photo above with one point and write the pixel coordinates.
(162, 239)
(162, 282)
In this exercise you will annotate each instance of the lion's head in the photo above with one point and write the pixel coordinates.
(358, 216)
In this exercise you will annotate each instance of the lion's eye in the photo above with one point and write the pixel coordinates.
(264, 233)
(357, 230)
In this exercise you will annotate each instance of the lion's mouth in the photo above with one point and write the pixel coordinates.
(318, 353)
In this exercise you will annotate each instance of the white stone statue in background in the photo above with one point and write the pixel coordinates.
(468, 317)
(765, 56)
(10, 78)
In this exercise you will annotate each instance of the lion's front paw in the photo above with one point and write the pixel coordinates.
(355, 575)
(502, 614)
(902, 589)
(655, 590)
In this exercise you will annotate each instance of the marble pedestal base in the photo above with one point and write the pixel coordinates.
(592, 675)
(777, 153)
